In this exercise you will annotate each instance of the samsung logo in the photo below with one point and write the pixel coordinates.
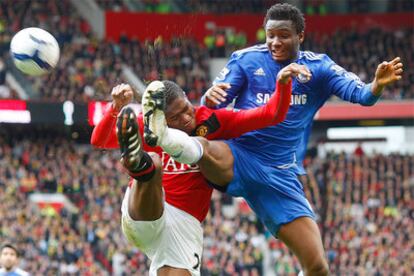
(298, 99)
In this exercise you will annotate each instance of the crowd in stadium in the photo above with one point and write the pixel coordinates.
(367, 224)
(88, 68)
(249, 6)
(364, 203)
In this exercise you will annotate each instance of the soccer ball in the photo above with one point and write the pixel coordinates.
(34, 51)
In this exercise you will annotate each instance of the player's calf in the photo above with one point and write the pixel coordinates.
(138, 163)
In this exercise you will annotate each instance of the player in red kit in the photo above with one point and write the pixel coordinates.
(166, 200)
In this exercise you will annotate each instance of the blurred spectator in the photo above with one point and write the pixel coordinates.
(112, 5)
(4, 89)
(226, 6)
(366, 210)
(310, 7)
(260, 35)
(9, 261)
(181, 60)
(158, 6)
(400, 6)
(358, 150)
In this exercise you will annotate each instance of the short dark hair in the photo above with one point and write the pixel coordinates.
(286, 12)
(9, 245)
(173, 91)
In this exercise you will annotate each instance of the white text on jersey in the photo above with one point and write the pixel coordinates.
(170, 166)
(300, 99)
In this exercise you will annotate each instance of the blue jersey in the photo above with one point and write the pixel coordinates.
(252, 74)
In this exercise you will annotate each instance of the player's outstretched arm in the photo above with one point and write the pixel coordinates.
(235, 124)
(104, 133)
(387, 73)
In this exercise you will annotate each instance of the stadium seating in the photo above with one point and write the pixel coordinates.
(310, 7)
(362, 202)
(89, 68)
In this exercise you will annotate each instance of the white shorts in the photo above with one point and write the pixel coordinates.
(175, 239)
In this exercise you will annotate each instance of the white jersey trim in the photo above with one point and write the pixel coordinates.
(255, 48)
(182, 172)
(310, 55)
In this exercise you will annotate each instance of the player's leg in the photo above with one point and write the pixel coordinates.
(277, 198)
(302, 236)
(217, 162)
(145, 202)
(145, 223)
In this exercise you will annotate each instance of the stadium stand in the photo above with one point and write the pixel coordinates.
(364, 204)
(310, 7)
(113, 5)
(89, 68)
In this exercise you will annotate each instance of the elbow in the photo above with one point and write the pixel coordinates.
(368, 99)
(95, 142)
(368, 103)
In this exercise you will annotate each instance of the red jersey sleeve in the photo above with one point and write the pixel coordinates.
(235, 123)
(104, 133)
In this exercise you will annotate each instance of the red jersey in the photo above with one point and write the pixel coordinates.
(184, 185)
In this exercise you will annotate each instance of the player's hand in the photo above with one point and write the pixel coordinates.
(293, 70)
(122, 95)
(387, 73)
(216, 94)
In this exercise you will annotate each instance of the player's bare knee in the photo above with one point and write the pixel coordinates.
(317, 268)
(204, 143)
(209, 151)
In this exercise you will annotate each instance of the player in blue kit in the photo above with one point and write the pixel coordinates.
(263, 166)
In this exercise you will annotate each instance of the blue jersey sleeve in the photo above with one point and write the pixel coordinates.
(232, 73)
(346, 85)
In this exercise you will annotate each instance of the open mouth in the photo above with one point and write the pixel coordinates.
(277, 54)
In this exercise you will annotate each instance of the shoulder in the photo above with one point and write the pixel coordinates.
(312, 57)
(319, 64)
(207, 121)
(250, 52)
(202, 113)
(21, 272)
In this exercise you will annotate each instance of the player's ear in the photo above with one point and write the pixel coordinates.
(301, 36)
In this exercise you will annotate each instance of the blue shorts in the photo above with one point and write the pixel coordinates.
(275, 195)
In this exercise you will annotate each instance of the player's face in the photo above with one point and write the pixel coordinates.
(8, 258)
(282, 40)
(180, 115)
